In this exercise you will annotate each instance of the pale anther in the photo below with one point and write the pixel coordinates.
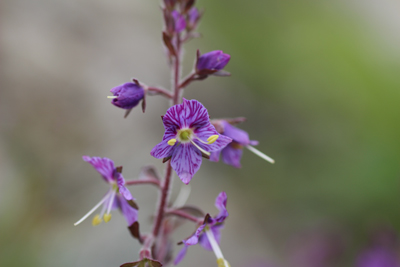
(171, 142)
(212, 138)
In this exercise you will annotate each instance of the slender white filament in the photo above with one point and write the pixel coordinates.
(111, 201)
(214, 244)
(260, 154)
(112, 96)
(93, 209)
(202, 150)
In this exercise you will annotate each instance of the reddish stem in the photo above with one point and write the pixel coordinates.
(187, 80)
(161, 91)
(147, 181)
(185, 215)
(163, 199)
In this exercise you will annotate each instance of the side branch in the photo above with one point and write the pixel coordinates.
(144, 181)
(184, 215)
(160, 91)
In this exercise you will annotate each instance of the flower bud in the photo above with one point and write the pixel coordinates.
(212, 61)
(128, 95)
(180, 22)
(193, 18)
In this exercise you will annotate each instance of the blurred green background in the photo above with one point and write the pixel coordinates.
(318, 82)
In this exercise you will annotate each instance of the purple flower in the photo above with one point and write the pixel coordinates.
(118, 196)
(209, 233)
(212, 62)
(188, 136)
(127, 95)
(180, 22)
(232, 153)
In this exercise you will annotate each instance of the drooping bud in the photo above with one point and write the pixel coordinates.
(128, 95)
(211, 62)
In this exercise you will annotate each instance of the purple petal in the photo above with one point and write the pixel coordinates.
(104, 166)
(163, 150)
(232, 156)
(122, 189)
(236, 134)
(186, 161)
(216, 230)
(194, 239)
(129, 213)
(174, 118)
(195, 114)
(181, 255)
(220, 203)
(205, 132)
(215, 156)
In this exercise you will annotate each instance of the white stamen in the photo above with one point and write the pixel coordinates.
(214, 244)
(260, 154)
(182, 196)
(113, 192)
(112, 96)
(202, 150)
(93, 209)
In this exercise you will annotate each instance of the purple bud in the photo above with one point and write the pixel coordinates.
(128, 95)
(180, 23)
(214, 60)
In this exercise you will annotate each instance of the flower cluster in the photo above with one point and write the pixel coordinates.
(189, 136)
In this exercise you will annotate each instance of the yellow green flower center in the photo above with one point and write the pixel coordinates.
(185, 135)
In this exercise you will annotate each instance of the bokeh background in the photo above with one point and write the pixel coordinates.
(317, 80)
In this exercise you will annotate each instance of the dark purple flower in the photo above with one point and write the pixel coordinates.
(180, 22)
(232, 153)
(188, 136)
(209, 233)
(118, 196)
(127, 95)
(212, 61)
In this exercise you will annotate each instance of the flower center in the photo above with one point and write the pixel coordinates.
(185, 135)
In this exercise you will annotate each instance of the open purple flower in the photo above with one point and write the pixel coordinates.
(127, 95)
(211, 62)
(188, 137)
(118, 196)
(209, 233)
(232, 153)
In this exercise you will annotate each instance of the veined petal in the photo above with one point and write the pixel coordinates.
(181, 255)
(232, 156)
(122, 189)
(215, 155)
(196, 115)
(194, 239)
(163, 149)
(208, 130)
(129, 213)
(174, 118)
(186, 161)
(104, 166)
(238, 135)
(216, 230)
(220, 203)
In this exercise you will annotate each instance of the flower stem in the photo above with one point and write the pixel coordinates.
(161, 91)
(183, 214)
(147, 181)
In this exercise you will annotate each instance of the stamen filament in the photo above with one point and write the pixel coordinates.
(202, 150)
(92, 210)
(112, 96)
(215, 247)
(113, 192)
(260, 154)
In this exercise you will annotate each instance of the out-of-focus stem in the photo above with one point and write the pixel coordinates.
(146, 181)
(184, 215)
(187, 80)
(161, 91)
